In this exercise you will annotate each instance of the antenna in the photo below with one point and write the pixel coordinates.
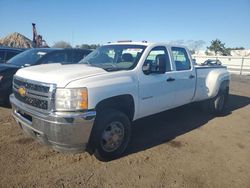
(72, 38)
(37, 39)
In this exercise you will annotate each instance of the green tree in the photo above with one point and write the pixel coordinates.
(94, 46)
(217, 46)
(236, 48)
(226, 52)
(85, 46)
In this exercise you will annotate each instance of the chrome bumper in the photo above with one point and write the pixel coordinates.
(62, 131)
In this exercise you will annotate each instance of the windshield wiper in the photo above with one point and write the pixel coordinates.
(109, 69)
(86, 62)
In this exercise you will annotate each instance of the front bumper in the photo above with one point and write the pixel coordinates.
(62, 131)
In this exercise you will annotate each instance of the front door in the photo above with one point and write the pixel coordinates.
(156, 92)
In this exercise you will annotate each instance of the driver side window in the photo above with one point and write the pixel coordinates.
(154, 55)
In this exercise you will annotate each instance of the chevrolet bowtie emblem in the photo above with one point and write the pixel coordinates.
(22, 91)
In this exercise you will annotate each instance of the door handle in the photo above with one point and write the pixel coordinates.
(191, 76)
(170, 79)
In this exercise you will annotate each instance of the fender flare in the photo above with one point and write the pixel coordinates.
(216, 81)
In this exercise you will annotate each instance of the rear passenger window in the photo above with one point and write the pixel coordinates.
(181, 59)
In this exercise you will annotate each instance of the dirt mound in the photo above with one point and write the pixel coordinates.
(16, 40)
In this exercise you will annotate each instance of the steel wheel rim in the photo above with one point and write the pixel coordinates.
(112, 136)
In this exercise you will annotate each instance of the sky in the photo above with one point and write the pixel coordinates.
(102, 21)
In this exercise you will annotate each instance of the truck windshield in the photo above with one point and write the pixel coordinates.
(115, 57)
(28, 57)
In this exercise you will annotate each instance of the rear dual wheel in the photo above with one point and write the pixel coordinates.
(217, 104)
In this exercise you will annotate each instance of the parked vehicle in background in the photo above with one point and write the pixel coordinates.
(7, 53)
(91, 105)
(35, 56)
(212, 62)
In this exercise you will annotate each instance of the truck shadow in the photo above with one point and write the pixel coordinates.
(163, 127)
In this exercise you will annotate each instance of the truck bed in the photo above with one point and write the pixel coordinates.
(206, 79)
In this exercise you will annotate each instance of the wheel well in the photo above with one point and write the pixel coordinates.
(123, 103)
(224, 85)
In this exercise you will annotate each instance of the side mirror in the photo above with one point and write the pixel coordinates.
(161, 64)
(146, 68)
(27, 65)
(158, 66)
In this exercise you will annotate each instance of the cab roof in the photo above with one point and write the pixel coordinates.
(144, 43)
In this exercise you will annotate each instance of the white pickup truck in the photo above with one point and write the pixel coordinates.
(91, 105)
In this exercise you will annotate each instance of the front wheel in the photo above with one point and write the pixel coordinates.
(112, 134)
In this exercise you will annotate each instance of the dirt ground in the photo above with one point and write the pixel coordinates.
(183, 147)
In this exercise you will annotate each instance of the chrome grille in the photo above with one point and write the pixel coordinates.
(31, 86)
(37, 95)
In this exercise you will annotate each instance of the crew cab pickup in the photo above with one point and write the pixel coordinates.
(90, 106)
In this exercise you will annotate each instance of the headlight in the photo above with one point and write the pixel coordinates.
(1, 77)
(71, 99)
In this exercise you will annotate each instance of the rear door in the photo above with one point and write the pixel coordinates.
(184, 75)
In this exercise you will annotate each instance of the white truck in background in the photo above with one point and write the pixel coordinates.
(91, 105)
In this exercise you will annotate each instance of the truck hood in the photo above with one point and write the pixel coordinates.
(59, 74)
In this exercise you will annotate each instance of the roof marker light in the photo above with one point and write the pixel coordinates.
(124, 41)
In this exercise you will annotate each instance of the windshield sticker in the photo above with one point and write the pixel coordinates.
(133, 50)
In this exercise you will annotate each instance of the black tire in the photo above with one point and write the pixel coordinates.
(217, 104)
(116, 127)
(6, 100)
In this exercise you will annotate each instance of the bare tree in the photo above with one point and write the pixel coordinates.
(61, 44)
(195, 45)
